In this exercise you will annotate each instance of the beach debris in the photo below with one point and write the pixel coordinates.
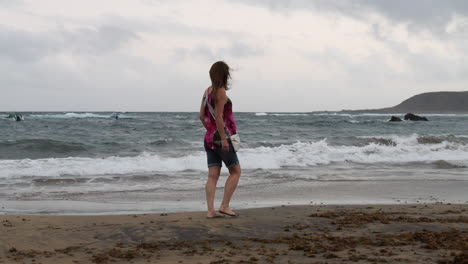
(357, 219)
(368, 234)
(7, 223)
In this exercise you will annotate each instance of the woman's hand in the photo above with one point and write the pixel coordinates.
(225, 145)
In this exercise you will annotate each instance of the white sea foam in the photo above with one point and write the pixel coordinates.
(385, 114)
(144, 163)
(355, 121)
(71, 115)
(301, 154)
(289, 114)
(281, 114)
(317, 153)
(332, 114)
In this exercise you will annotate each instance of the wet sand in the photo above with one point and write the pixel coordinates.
(433, 233)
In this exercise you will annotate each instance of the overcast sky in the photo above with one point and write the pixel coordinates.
(303, 55)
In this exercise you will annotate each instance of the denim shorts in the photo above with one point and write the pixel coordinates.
(217, 156)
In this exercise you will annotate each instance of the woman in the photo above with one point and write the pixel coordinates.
(216, 116)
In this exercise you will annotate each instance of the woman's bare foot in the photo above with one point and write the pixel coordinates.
(213, 214)
(227, 211)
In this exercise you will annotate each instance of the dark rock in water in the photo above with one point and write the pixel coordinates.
(414, 117)
(395, 119)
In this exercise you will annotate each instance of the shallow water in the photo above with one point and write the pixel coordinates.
(78, 156)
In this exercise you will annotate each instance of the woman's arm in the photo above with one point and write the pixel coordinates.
(202, 111)
(221, 100)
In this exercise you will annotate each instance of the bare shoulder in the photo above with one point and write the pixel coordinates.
(221, 95)
(222, 91)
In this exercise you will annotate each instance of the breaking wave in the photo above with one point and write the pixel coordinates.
(390, 150)
(280, 114)
(76, 115)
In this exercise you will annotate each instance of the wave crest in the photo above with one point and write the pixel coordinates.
(71, 115)
(398, 150)
(280, 114)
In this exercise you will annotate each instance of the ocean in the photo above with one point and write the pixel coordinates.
(74, 163)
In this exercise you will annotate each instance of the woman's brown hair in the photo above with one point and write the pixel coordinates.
(219, 75)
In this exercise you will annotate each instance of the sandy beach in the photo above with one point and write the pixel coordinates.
(431, 233)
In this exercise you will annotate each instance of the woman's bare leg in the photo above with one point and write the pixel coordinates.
(229, 188)
(210, 189)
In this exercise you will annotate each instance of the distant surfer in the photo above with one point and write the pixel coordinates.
(15, 117)
(115, 116)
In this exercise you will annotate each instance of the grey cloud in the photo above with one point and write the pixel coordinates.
(10, 3)
(432, 15)
(376, 77)
(97, 40)
(355, 73)
(240, 49)
(165, 24)
(179, 54)
(429, 14)
(23, 45)
(109, 82)
(28, 46)
(431, 68)
(236, 49)
(203, 51)
(375, 69)
(418, 12)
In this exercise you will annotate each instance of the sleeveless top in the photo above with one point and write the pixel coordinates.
(229, 121)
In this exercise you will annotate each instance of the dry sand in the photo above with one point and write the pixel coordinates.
(436, 233)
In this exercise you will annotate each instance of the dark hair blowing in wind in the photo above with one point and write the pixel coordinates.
(219, 75)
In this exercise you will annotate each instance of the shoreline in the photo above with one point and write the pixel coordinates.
(188, 211)
(412, 233)
(253, 196)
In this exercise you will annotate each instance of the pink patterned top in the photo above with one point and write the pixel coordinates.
(229, 122)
